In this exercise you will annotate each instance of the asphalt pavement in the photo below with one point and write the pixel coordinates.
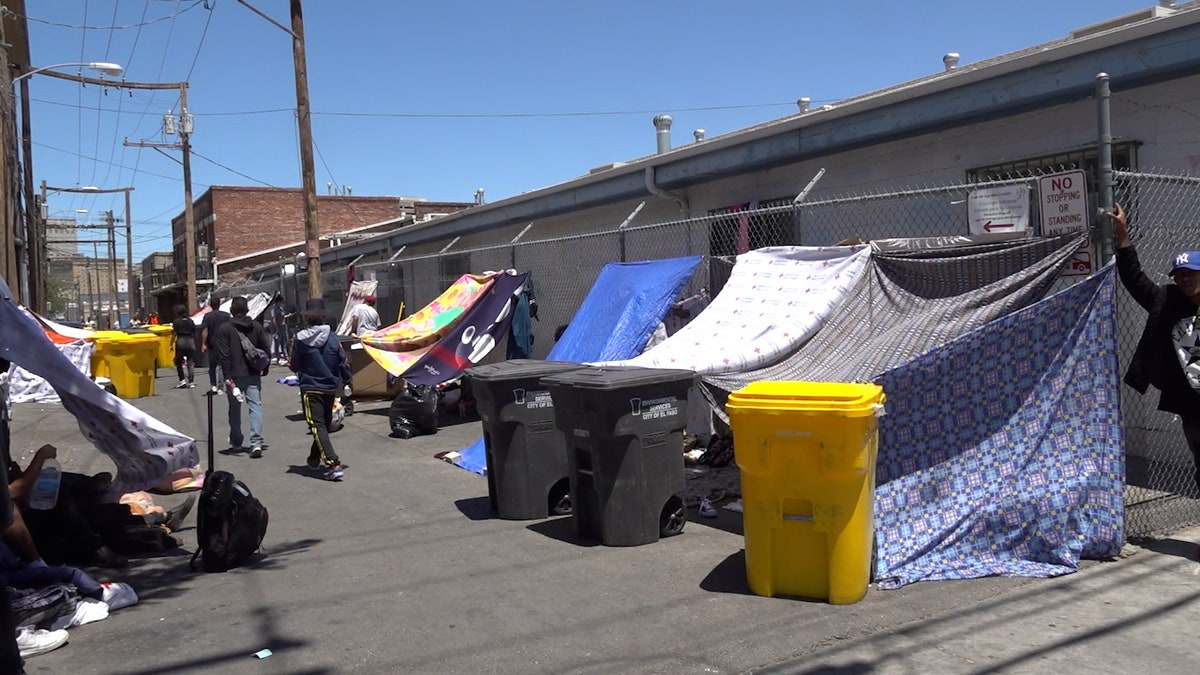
(401, 568)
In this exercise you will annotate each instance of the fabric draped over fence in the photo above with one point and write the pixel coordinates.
(775, 300)
(908, 302)
(1002, 451)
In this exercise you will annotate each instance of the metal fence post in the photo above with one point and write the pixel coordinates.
(512, 250)
(1104, 181)
(623, 225)
(796, 204)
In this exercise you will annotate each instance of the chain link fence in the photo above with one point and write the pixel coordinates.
(1161, 493)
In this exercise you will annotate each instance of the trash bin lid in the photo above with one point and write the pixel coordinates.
(109, 335)
(517, 369)
(838, 398)
(619, 377)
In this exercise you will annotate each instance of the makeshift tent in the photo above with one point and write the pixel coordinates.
(626, 302)
(257, 305)
(26, 387)
(402, 344)
(1002, 451)
(144, 449)
(473, 336)
(908, 302)
(358, 291)
(775, 300)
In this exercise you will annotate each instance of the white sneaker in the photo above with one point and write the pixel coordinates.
(34, 641)
(706, 508)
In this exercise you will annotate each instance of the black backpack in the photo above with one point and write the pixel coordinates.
(230, 523)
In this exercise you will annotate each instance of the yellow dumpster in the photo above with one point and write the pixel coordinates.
(806, 451)
(166, 348)
(127, 360)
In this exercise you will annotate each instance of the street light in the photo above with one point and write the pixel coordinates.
(102, 67)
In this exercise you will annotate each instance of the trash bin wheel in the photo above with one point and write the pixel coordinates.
(560, 498)
(673, 518)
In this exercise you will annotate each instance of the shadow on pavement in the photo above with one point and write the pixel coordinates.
(563, 529)
(729, 576)
(1176, 547)
(476, 508)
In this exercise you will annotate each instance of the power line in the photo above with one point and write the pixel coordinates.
(96, 159)
(578, 113)
(87, 27)
(229, 169)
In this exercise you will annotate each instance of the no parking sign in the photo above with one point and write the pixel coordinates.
(1064, 209)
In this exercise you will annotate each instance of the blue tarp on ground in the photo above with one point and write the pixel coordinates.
(625, 305)
(1002, 451)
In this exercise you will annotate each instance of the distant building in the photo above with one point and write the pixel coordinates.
(242, 228)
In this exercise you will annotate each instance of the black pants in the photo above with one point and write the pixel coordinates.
(318, 412)
(1191, 431)
(185, 357)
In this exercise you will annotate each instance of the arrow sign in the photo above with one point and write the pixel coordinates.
(998, 208)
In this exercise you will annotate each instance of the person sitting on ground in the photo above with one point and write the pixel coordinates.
(82, 527)
(318, 359)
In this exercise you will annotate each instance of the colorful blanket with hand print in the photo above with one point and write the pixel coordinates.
(402, 344)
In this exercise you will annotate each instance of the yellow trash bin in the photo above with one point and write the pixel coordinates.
(807, 451)
(166, 350)
(127, 360)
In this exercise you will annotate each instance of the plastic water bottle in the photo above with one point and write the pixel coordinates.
(45, 488)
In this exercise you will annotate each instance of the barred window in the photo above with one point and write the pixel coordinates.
(1124, 157)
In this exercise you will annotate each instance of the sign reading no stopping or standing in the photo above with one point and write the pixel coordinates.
(1063, 200)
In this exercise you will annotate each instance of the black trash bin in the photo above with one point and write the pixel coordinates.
(526, 459)
(623, 427)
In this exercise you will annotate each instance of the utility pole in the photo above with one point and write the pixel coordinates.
(312, 233)
(35, 223)
(114, 315)
(189, 223)
(129, 262)
(46, 189)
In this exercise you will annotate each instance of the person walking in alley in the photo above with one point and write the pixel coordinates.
(1168, 352)
(279, 316)
(242, 380)
(183, 341)
(320, 363)
(208, 333)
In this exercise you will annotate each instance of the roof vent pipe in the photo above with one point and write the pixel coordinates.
(662, 126)
(802, 104)
(951, 61)
(698, 135)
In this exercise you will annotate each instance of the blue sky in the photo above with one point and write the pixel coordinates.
(435, 98)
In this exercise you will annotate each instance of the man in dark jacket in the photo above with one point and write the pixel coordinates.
(240, 380)
(318, 359)
(1168, 353)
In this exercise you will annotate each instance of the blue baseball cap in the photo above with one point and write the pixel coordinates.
(1188, 260)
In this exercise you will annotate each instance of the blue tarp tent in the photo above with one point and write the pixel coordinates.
(625, 305)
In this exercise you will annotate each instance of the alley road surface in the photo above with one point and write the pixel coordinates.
(401, 569)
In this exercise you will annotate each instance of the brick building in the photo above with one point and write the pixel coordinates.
(237, 226)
